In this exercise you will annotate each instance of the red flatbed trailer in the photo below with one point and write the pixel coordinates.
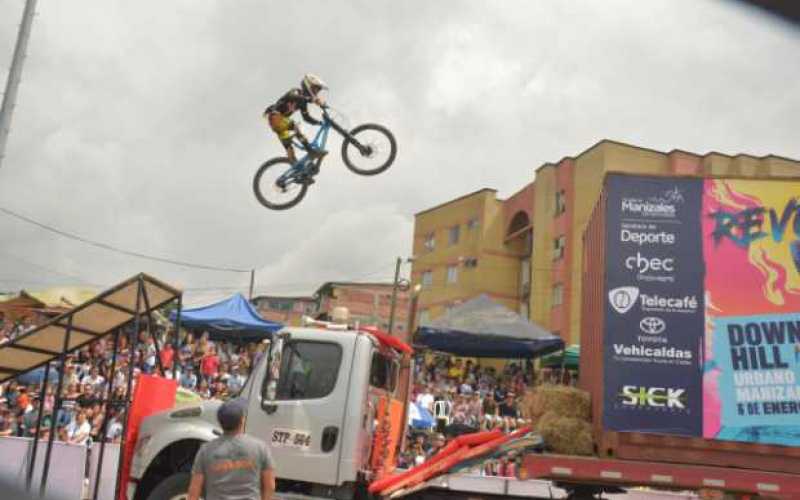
(602, 472)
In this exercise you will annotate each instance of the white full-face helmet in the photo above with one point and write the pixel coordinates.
(313, 85)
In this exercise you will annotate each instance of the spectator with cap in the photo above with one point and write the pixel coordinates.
(234, 465)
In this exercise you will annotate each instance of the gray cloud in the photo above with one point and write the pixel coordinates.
(138, 123)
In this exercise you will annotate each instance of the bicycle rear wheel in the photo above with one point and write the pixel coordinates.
(270, 192)
(373, 152)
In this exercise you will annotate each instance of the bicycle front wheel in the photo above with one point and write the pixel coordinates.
(271, 192)
(370, 150)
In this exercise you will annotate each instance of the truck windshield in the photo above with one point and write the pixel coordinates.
(308, 370)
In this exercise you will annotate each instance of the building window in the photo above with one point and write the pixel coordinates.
(561, 202)
(452, 274)
(473, 224)
(427, 279)
(558, 294)
(430, 241)
(424, 317)
(558, 247)
(452, 235)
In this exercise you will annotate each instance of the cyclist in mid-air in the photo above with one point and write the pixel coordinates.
(297, 99)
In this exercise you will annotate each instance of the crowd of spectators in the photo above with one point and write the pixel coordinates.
(9, 330)
(208, 369)
(463, 396)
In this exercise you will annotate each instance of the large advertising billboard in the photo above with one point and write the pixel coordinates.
(702, 329)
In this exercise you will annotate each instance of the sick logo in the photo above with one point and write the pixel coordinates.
(623, 298)
(654, 397)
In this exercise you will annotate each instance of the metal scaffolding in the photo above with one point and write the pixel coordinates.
(110, 312)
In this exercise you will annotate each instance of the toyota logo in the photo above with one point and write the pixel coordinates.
(652, 325)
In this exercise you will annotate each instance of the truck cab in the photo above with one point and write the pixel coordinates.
(320, 398)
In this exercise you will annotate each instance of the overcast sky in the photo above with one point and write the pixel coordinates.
(138, 123)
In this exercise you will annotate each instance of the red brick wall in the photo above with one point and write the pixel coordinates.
(366, 302)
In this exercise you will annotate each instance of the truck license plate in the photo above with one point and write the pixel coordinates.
(291, 438)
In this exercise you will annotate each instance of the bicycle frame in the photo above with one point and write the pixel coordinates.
(302, 167)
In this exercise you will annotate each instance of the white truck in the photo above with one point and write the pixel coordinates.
(313, 398)
(318, 399)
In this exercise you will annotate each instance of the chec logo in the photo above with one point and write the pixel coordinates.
(643, 264)
(651, 325)
(623, 298)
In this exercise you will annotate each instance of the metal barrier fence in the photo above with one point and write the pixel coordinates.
(67, 477)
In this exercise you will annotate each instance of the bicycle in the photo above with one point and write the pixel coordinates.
(365, 143)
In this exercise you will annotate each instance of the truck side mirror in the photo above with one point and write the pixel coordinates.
(270, 388)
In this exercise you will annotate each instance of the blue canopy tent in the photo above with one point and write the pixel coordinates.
(481, 328)
(232, 319)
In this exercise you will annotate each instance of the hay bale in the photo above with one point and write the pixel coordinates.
(563, 401)
(566, 435)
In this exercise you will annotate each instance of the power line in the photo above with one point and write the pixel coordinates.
(112, 248)
(50, 270)
(205, 288)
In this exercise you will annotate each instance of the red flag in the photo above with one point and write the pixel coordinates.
(152, 394)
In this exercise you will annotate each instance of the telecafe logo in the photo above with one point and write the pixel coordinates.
(623, 298)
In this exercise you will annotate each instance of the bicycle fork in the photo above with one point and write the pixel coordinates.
(364, 150)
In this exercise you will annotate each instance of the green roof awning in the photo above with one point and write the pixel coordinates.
(554, 360)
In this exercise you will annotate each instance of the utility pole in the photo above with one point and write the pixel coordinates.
(14, 75)
(394, 294)
(252, 283)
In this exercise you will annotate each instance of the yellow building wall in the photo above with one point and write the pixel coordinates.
(495, 273)
(542, 248)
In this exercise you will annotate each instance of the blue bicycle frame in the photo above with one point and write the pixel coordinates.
(302, 167)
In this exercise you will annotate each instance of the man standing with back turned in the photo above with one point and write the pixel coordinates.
(234, 466)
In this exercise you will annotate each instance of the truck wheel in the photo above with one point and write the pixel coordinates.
(174, 487)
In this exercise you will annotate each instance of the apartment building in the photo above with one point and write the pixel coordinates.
(526, 251)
